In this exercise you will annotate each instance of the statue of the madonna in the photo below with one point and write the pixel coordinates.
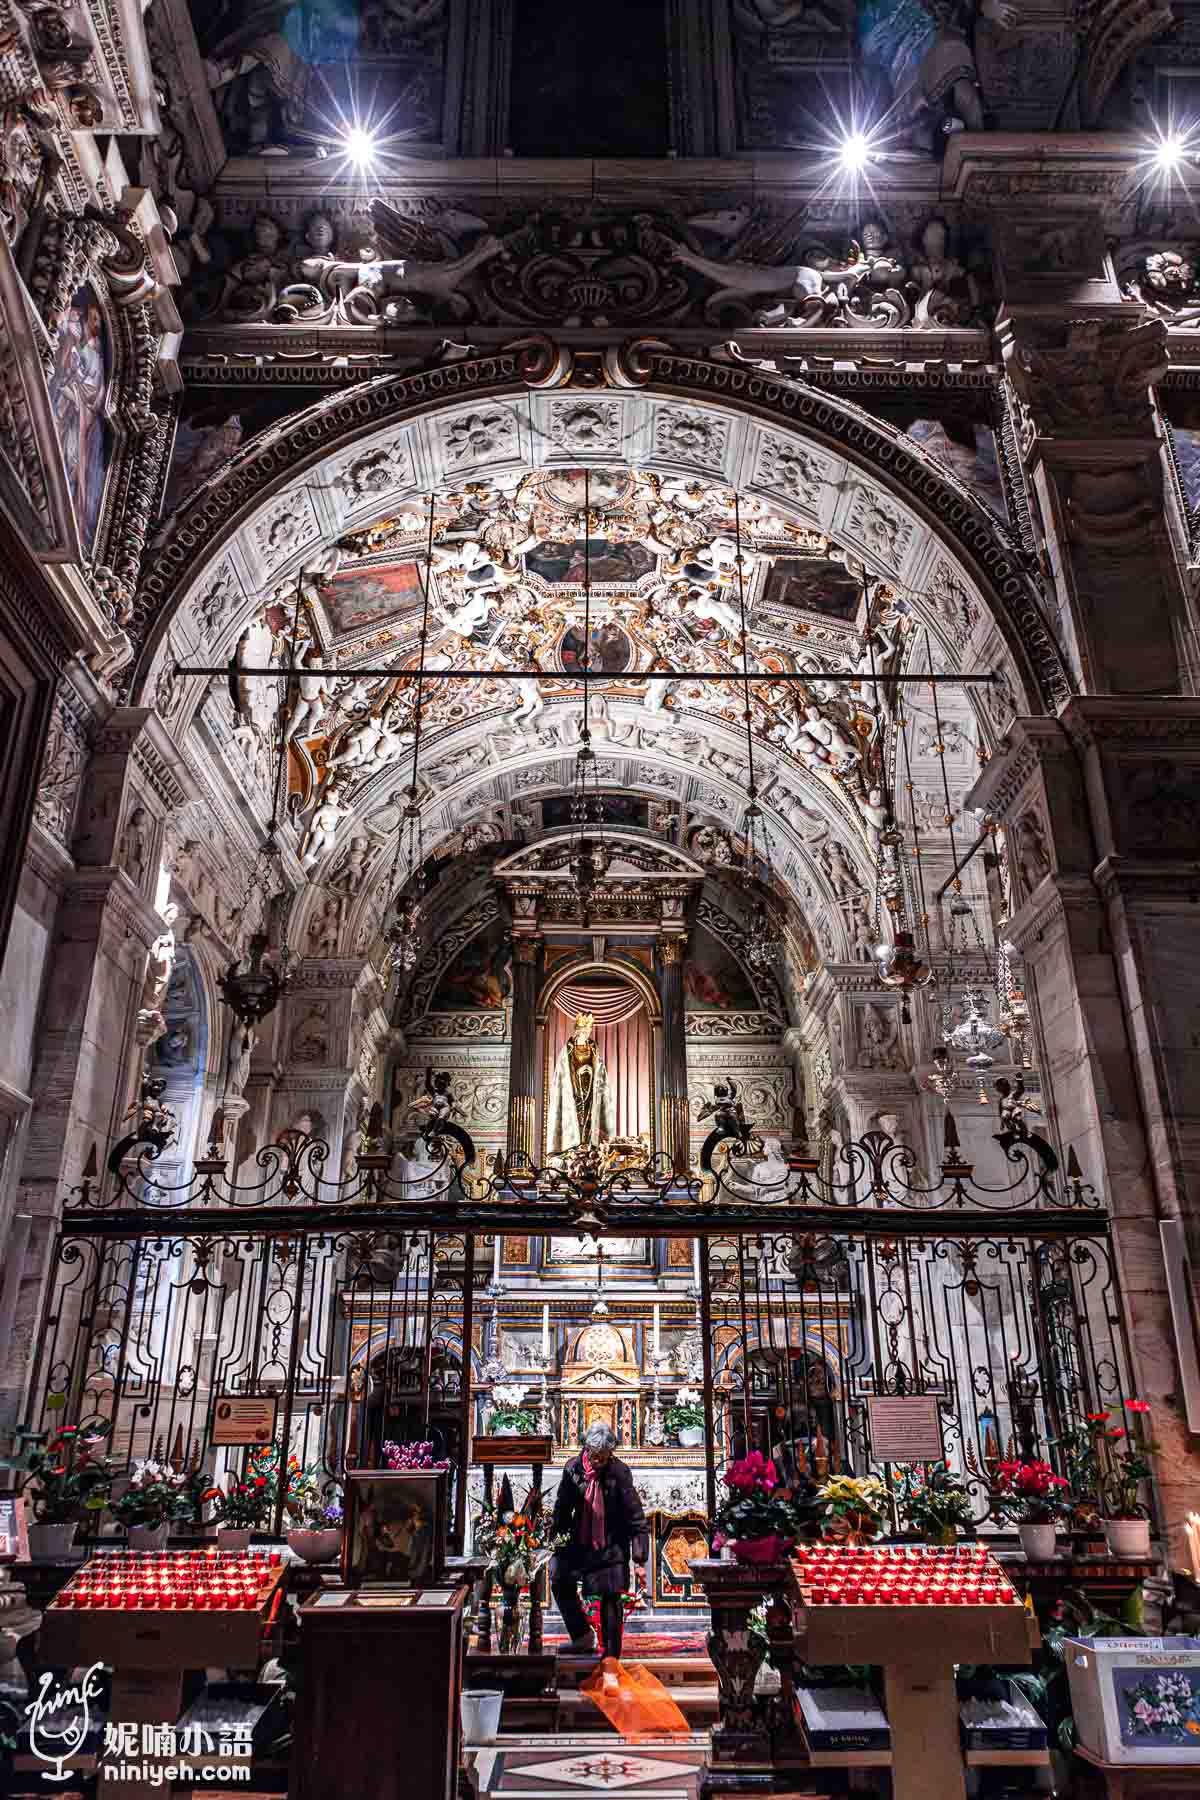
(581, 1103)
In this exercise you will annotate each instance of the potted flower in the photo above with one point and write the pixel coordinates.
(508, 1418)
(686, 1418)
(156, 1498)
(1126, 1516)
(1035, 1498)
(245, 1505)
(755, 1518)
(68, 1477)
(852, 1507)
(934, 1502)
(313, 1503)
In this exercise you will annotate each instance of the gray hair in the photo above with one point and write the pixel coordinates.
(599, 1437)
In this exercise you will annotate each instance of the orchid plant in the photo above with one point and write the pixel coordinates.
(687, 1412)
(507, 1412)
(69, 1474)
(157, 1495)
(413, 1455)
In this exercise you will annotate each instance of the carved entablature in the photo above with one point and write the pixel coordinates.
(645, 885)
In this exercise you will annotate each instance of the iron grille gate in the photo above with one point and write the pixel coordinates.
(361, 1334)
(1017, 1336)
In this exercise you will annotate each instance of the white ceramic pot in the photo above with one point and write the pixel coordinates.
(316, 1544)
(1038, 1541)
(504, 1431)
(1128, 1537)
(233, 1537)
(52, 1543)
(690, 1436)
(148, 1537)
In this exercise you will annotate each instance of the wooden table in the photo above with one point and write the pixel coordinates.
(377, 1714)
(1099, 1780)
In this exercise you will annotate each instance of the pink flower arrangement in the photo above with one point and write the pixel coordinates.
(1029, 1492)
(753, 1472)
(412, 1456)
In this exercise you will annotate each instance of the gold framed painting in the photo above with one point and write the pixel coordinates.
(395, 1532)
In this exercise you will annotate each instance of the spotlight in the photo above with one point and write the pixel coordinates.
(855, 153)
(359, 146)
(1168, 153)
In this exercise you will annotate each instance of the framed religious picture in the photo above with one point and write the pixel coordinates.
(395, 1529)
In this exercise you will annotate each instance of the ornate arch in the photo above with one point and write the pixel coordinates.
(872, 453)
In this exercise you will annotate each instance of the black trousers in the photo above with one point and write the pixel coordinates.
(567, 1574)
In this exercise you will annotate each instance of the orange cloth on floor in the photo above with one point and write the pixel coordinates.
(639, 1706)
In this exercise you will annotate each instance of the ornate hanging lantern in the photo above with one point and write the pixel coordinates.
(902, 968)
(975, 1036)
(253, 992)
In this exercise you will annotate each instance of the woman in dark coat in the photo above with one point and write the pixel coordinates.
(598, 1510)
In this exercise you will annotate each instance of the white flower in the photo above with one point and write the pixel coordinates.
(509, 1393)
(688, 1396)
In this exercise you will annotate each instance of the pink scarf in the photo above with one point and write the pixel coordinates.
(591, 1528)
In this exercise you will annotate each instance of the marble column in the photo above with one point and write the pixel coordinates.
(673, 1115)
(522, 1069)
(1101, 808)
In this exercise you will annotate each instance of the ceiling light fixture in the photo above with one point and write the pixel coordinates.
(855, 153)
(360, 146)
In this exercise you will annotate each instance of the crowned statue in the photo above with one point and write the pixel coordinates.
(581, 1102)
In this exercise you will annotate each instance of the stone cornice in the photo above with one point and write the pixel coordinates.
(47, 857)
(1133, 723)
(110, 895)
(1145, 883)
(1027, 744)
(331, 974)
(1046, 909)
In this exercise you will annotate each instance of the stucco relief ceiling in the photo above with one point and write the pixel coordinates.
(839, 574)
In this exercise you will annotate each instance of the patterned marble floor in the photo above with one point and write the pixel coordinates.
(566, 1768)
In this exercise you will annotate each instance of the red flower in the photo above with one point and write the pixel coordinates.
(1116, 1432)
(260, 1481)
(1137, 1406)
(1097, 1418)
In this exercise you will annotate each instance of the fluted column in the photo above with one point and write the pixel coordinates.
(522, 1074)
(673, 1120)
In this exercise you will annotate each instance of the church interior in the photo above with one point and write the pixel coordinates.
(600, 799)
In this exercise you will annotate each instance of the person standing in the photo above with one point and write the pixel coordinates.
(598, 1510)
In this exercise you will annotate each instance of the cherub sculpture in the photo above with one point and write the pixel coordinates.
(1014, 1106)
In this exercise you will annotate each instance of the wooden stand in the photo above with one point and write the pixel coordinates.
(1099, 1780)
(490, 1454)
(381, 1679)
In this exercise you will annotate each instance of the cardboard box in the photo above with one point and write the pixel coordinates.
(1136, 1700)
(1008, 1724)
(842, 1718)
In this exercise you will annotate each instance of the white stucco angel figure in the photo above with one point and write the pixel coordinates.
(527, 691)
(323, 826)
(313, 696)
(374, 742)
(701, 604)
(821, 739)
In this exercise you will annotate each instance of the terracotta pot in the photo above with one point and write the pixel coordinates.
(1128, 1537)
(1038, 1541)
(148, 1537)
(316, 1544)
(233, 1537)
(52, 1543)
(761, 1550)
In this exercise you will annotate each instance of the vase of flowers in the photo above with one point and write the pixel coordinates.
(1030, 1495)
(508, 1418)
(518, 1545)
(69, 1478)
(755, 1518)
(933, 1502)
(686, 1418)
(157, 1497)
(852, 1507)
